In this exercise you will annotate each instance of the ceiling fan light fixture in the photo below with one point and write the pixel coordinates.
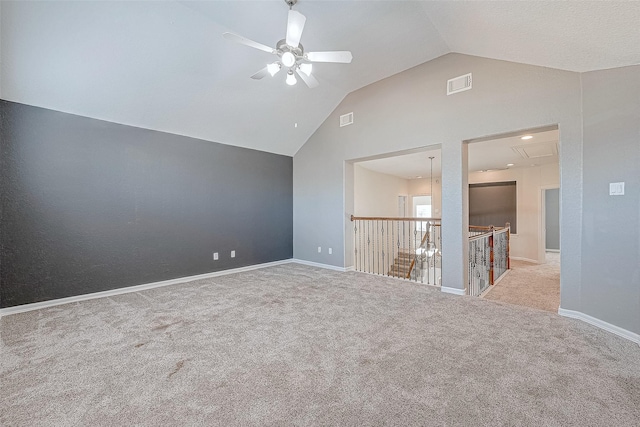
(291, 53)
(306, 68)
(291, 79)
(273, 68)
(288, 59)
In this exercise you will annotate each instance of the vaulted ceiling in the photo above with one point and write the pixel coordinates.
(166, 66)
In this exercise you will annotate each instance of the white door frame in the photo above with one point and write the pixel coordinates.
(406, 204)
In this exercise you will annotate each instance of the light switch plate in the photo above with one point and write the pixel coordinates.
(616, 189)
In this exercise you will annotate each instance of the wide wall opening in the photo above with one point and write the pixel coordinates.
(395, 228)
(514, 187)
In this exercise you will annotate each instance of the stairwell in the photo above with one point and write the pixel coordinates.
(401, 264)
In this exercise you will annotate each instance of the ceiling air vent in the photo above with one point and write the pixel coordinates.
(346, 119)
(459, 84)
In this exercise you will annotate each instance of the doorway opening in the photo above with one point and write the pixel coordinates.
(527, 164)
(394, 226)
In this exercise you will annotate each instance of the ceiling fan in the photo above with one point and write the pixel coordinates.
(290, 53)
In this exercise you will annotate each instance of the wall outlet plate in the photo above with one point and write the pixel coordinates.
(233, 254)
(215, 256)
(319, 249)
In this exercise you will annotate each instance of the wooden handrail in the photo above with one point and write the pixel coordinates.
(482, 227)
(382, 218)
(413, 261)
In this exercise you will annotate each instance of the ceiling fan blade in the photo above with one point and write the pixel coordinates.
(308, 80)
(245, 41)
(295, 25)
(260, 74)
(342, 56)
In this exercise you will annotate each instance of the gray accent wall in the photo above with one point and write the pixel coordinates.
(411, 110)
(88, 205)
(494, 203)
(611, 224)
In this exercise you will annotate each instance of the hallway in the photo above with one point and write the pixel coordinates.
(530, 285)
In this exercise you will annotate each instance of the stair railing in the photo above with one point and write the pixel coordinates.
(406, 248)
(488, 256)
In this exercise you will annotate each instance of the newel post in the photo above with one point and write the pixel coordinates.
(508, 225)
(491, 257)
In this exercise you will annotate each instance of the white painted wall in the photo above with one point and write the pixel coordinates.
(526, 243)
(376, 194)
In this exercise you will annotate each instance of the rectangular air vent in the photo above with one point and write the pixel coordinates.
(459, 84)
(346, 119)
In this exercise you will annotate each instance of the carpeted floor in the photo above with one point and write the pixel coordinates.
(296, 345)
(530, 285)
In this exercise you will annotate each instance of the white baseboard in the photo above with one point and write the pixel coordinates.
(517, 258)
(454, 291)
(555, 251)
(632, 336)
(486, 291)
(319, 265)
(501, 277)
(137, 288)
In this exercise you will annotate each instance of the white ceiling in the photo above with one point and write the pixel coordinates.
(495, 154)
(407, 166)
(165, 66)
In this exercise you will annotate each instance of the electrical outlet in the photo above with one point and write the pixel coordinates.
(215, 256)
(233, 254)
(330, 251)
(319, 249)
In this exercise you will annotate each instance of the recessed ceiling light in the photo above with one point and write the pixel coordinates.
(509, 164)
(526, 137)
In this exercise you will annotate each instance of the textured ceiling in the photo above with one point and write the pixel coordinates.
(165, 65)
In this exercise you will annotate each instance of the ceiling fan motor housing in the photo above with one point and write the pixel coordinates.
(283, 47)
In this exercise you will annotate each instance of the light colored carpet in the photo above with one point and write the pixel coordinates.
(296, 345)
(530, 285)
